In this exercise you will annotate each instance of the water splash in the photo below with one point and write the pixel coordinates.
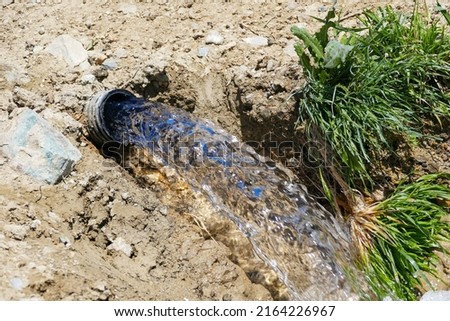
(303, 243)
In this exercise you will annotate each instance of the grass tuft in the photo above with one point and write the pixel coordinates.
(400, 236)
(365, 86)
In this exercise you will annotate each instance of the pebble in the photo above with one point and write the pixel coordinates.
(163, 210)
(289, 49)
(436, 296)
(54, 218)
(258, 41)
(128, 8)
(3, 115)
(97, 58)
(35, 224)
(214, 37)
(37, 49)
(120, 53)
(125, 196)
(271, 65)
(100, 286)
(100, 73)
(121, 245)
(110, 64)
(88, 79)
(69, 49)
(65, 240)
(202, 52)
(17, 284)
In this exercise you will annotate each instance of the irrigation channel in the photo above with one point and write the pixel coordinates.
(306, 246)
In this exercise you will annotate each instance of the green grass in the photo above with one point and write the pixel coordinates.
(403, 234)
(364, 89)
(366, 86)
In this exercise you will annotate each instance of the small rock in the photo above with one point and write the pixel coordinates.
(110, 64)
(7, 2)
(215, 38)
(69, 49)
(65, 240)
(121, 245)
(37, 49)
(100, 73)
(100, 286)
(436, 296)
(35, 224)
(125, 196)
(97, 58)
(54, 218)
(289, 49)
(271, 65)
(421, 160)
(120, 53)
(128, 8)
(3, 116)
(258, 41)
(37, 149)
(18, 232)
(202, 52)
(88, 79)
(163, 210)
(3, 245)
(17, 284)
(89, 24)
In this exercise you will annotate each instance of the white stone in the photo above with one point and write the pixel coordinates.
(17, 284)
(121, 245)
(120, 53)
(128, 8)
(258, 41)
(289, 50)
(214, 37)
(110, 64)
(37, 49)
(69, 49)
(88, 79)
(202, 52)
(436, 296)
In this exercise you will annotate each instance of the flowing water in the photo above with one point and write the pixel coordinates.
(304, 244)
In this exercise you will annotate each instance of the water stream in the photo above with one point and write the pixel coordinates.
(304, 244)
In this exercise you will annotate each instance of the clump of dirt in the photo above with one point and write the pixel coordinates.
(102, 234)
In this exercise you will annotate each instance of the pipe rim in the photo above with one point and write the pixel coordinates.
(94, 110)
